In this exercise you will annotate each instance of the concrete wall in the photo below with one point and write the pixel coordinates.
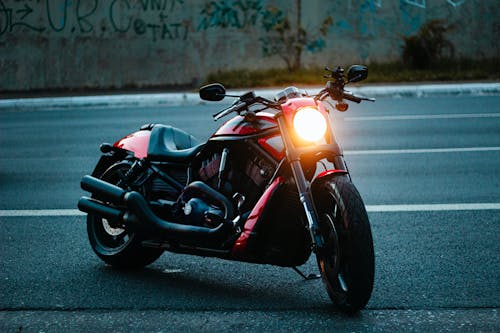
(47, 44)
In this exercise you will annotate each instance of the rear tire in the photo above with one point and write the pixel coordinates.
(118, 246)
(347, 264)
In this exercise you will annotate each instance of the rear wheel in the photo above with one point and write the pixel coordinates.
(347, 264)
(113, 243)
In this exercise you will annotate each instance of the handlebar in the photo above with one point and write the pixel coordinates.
(243, 103)
(357, 99)
(351, 97)
(334, 90)
(233, 108)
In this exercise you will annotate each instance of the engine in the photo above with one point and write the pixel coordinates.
(198, 212)
(240, 171)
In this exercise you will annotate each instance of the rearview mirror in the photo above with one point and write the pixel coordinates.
(213, 92)
(357, 73)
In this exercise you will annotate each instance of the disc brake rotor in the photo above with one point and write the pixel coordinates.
(110, 230)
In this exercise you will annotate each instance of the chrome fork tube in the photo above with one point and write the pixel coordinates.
(306, 199)
(303, 188)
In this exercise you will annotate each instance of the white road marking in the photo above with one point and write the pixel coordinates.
(369, 208)
(173, 270)
(432, 207)
(40, 212)
(420, 151)
(424, 116)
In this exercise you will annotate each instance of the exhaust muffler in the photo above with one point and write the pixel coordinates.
(139, 214)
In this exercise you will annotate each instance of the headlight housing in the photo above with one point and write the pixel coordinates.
(309, 124)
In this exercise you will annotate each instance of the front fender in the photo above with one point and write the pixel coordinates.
(325, 176)
(330, 173)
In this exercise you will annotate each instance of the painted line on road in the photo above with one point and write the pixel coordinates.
(432, 207)
(369, 208)
(420, 151)
(424, 117)
(40, 212)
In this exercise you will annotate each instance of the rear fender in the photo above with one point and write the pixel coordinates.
(136, 142)
(133, 145)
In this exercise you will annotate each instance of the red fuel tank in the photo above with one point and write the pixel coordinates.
(240, 126)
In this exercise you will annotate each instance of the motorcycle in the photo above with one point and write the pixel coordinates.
(270, 186)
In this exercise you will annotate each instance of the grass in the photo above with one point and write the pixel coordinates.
(457, 70)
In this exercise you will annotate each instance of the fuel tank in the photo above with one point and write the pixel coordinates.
(241, 126)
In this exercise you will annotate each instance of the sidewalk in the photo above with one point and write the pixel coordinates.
(192, 98)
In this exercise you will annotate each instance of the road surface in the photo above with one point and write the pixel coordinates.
(427, 168)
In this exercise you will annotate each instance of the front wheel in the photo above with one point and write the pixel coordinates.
(347, 262)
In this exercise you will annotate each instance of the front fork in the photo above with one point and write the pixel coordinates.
(306, 198)
(303, 188)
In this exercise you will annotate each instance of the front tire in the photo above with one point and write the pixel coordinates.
(116, 245)
(347, 263)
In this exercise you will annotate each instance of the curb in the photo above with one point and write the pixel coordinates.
(191, 98)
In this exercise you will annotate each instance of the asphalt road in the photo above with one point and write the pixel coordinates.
(437, 266)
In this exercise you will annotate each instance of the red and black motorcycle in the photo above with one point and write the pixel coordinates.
(270, 186)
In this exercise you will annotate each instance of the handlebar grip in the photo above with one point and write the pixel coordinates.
(352, 97)
(225, 112)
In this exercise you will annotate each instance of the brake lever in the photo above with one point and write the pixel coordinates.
(321, 96)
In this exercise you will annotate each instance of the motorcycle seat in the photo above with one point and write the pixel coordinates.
(171, 144)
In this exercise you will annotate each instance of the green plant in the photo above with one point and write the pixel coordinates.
(428, 46)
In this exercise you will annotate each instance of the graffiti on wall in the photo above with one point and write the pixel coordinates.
(160, 20)
(190, 37)
(278, 34)
(11, 18)
(422, 3)
(416, 3)
(238, 14)
(148, 18)
(156, 25)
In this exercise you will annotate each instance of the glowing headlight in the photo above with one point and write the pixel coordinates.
(309, 124)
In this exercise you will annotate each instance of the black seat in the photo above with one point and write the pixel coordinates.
(170, 144)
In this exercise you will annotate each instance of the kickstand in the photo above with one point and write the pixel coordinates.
(308, 277)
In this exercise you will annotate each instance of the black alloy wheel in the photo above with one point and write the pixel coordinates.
(347, 264)
(112, 242)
